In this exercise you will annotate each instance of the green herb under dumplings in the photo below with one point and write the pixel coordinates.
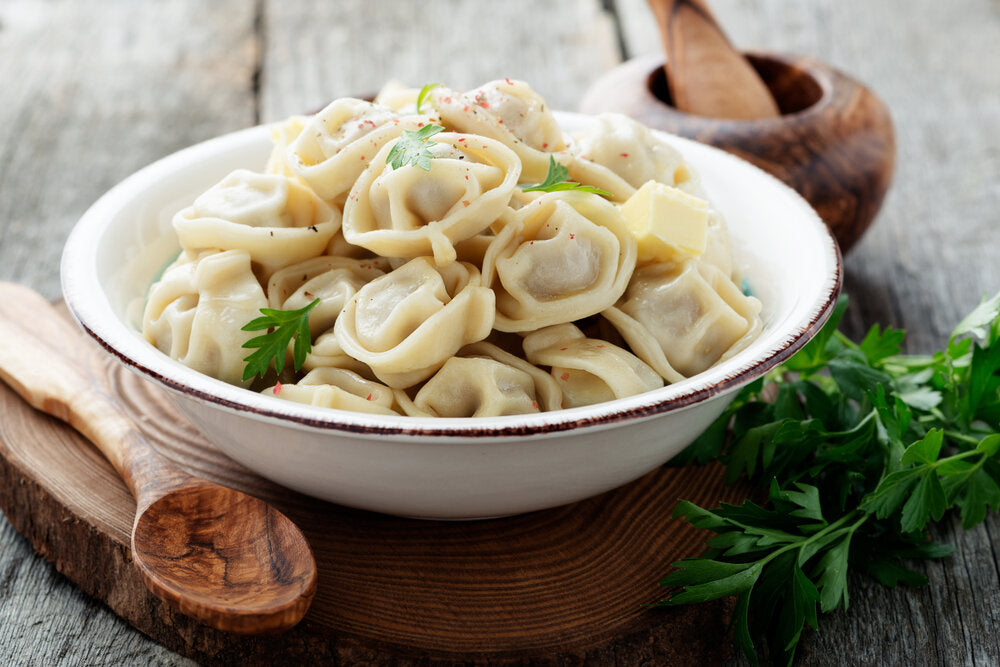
(859, 448)
(422, 95)
(282, 326)
(413, 147)
(558, 179)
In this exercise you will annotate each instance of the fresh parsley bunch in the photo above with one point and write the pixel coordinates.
(858, 448)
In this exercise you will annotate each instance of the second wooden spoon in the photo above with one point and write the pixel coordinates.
(705, 74)
(218, 555)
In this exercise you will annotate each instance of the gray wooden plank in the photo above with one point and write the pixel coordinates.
(94, 91)
(926, 262)
(558, 47)
(91, 92)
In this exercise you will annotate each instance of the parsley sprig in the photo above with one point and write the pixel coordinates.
(557, 179)
(413, 147)
(859, 448)
(282, 326)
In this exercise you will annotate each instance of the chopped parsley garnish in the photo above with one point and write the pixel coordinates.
(283, 326)
(414, 148)
(558, 179)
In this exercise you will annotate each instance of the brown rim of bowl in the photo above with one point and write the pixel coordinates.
(797, 339)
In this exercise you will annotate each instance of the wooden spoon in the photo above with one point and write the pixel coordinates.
(705, 74)
(220, 556)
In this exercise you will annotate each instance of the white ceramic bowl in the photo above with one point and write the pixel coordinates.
(446, 468)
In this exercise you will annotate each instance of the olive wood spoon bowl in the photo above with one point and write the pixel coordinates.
(706, 75)
(223, 557)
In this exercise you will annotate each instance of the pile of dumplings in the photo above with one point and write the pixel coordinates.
(449, 291)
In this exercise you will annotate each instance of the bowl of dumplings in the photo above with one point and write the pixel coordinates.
(467, 304)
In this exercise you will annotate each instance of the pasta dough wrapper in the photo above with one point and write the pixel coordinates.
(684, 318)
(276, 219)
(327, 352)
(563, 257)
(332, 280)
(632, 151)
(407, 323)
(475, 387)
(340, 141)
(588, 370)
(196, 311)
(283, 134)
(338, 389)
(413, 212)
(484, 381)
(509, 111)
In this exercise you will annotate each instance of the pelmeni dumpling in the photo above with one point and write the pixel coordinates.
(338, 389)
(327, 352)
(407, 323)
(282, 134)
(564, 256)
(196, 311)
(508, 111)
(718, 250)
(400, 98)
(588, 370)
(632, 151)
(274, 218)
(413, 212)
(484, 381)
(340, 141)
(332, 280)
(475, 387)
(683, 318)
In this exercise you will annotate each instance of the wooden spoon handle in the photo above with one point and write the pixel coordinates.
(705, 74)
(46, 360)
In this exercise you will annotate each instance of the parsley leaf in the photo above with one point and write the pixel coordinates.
(283, 326)
(557, 178)
(413, 147)
(859, 448)
(422, 95)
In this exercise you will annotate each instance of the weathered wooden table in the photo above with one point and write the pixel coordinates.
(91, 91)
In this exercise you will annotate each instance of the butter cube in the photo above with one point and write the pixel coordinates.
(668, 224)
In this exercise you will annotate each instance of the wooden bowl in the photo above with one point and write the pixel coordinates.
(833, 142)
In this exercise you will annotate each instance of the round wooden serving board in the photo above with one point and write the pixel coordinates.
(563, 586)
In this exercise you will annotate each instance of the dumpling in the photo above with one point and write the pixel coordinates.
(413, 212)
(509, 111)
(681, 319)
(484, 381)
(327, 352)
(632, 151)
(276, 219)
(546, 391)
(400, 98)
(563, 257)
(340, 141)
(332, 280)
(196, 311)
(338, 389)
(588, 370)
(475, 387)
(282, 134)
(407, 323)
